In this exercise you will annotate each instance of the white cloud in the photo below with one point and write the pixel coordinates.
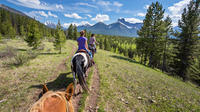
(176, 10)
(73, 15)
(35, 4)
(110, 6)
(53, 15)
(42, 13)
(89, 15)
(101, 18)
(141, 14)
(59, 6)
(117, 4)
(87, 4)
(133, 20)
(146, 6)
(37, 14)
(104, 3)
(66, 25)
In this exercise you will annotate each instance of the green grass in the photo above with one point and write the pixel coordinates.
(21, 86)
(126, 86)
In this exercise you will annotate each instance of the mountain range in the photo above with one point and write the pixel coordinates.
(120, 28)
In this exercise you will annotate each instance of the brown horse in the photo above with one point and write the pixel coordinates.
(55, 101)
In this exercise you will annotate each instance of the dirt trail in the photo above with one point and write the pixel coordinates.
(91, 101)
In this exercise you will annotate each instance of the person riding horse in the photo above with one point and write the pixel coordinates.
(81, 61)
(83, 45)
(92, 44)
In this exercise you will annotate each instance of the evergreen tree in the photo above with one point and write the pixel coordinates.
(187, 40)
(33, 37)
(59, 38)
(0, 36)
(70, 32)
(168, 32)
(75, 35)
(150, 43)
(106, 45)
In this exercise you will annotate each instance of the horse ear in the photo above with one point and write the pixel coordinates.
(69, 91)
(45, 89)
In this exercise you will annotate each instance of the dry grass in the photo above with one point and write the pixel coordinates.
(21, 86)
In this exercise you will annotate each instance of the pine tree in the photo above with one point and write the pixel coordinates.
(168, 32)
(75, 33)
(33, 37)
(70, 32)
(59, 38)
(0, 36)
(187, 40)
(150, 43)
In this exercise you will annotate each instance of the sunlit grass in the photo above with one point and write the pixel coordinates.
(20, 86)
(126, 86)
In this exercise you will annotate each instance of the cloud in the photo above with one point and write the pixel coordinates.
(133, 20)
(53, 15)
(146, 6)
(117, 4)
(141, 14)
(176, 10)
(42, 13)
(59, 6)
(104, 3)
(110, 6)
(37, 14)
(89, 15)
(101, 18)
(66, 25)
(86, 4)
(73, 15)
(36, 4)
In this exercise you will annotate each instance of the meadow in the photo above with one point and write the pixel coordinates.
(125, 85)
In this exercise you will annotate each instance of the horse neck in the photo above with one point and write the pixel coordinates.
(51, 102)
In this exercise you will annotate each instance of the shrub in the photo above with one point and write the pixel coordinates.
(8, 52)
(20, 58)
(32, 54)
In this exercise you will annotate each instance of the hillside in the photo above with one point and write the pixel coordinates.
(127, 86)
(124, 84)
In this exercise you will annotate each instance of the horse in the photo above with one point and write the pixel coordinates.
(79, 65)
(92, 48)
(54, 101)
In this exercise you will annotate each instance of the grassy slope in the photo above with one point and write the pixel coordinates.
(21, 86)
(127, 86)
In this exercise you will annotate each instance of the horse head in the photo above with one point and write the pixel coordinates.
(54, 101)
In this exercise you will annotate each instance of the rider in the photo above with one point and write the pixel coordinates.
(82, 43)
(92, 43)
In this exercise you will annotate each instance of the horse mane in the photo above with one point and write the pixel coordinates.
(49, 102)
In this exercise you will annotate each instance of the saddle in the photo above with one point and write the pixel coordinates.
(87, 55)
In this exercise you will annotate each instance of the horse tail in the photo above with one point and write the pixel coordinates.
(80, 73)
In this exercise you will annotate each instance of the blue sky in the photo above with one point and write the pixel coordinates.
(92, 11)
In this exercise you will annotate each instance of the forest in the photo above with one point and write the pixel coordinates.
(158, 45)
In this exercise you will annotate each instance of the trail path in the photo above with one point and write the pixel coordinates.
(91, 101)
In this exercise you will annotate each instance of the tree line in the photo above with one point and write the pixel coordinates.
(159, 46)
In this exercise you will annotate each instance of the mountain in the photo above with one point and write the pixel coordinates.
(120, 28)
(50, 24)
(12, 10)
